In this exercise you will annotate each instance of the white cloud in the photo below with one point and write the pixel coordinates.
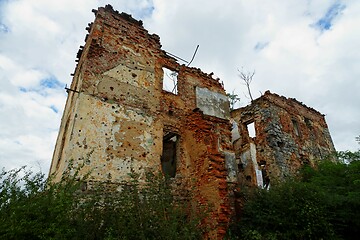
(296, 60)
(39, 40)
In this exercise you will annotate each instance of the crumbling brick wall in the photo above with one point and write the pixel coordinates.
(119, 118)
(288, 135)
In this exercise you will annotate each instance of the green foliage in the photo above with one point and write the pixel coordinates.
(348, 156)
(324, 203)
(288, 211)
(31, 207)
(340, 185)
(233, 99)
(358, 139)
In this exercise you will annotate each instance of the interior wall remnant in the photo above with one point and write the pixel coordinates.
(169, 154)
(231, 166)
(235, 135)
(265, 176)
(258, 172)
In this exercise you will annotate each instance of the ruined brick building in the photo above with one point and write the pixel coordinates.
(274, 136)
(132, 106)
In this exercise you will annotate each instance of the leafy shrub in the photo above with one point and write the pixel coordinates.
(324, 203)
(33, 207)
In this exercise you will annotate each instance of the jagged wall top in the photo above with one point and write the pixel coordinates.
(123, 15)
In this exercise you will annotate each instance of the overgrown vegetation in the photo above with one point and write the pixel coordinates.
(322, 203)
(33, 208)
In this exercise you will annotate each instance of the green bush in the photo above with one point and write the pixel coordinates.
(324, 203)
(32, 207)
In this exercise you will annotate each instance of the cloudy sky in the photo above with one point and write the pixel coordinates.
(308, 50)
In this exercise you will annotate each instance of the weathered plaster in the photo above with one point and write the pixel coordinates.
(212, 103)
(116, 120)
(117, 117)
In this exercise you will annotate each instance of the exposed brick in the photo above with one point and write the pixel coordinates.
(119, 118)
(122, 114)
(288, 135)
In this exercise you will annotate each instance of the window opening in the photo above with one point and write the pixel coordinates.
(264, 172)
(308, 122)
(259, 178)
(296, 127)
(169, 154)
(170, 80)
(251, 129)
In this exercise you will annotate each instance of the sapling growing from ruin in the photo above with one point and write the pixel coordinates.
(247, 78)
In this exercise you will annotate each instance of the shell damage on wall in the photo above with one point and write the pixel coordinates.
(288, 135)
(119, 117)
(132, 107)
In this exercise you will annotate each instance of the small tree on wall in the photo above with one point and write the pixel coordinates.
(233, 99)
(247, 78)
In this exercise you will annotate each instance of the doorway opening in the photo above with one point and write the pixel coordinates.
(169, 154)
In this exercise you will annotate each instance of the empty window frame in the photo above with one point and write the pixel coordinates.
(308, 122)
(169, 154)
(251, 129)
(296, 127)
(170, 80)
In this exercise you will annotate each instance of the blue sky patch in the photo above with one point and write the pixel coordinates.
(261, 45)
(54, 109)
(4, 28)
(51, 82)
(145, 12)
(326, 22)
(48, 83)
(22, 89)
(39, 91)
